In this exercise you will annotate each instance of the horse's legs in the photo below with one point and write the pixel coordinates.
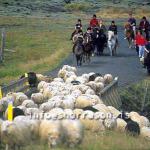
(77, 59)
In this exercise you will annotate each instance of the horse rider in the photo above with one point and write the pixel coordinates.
(78, 27)
(132, 22)
(102, 26)
(113, 27)
(94, 22)
(78, 35)
(145, 26)
(88, 34)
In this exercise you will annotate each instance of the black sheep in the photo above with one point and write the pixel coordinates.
(92, 77)
(132, 127)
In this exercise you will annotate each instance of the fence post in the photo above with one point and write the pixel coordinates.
(2, 45)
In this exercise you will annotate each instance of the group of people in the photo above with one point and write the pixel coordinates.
(96, 33)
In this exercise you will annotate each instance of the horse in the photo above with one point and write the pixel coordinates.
(78, 50)
(112, 43)
(129, 33)
(88, 47)
(101, 42)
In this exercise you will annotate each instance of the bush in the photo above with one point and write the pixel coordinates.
(78, 6)
(137, 98)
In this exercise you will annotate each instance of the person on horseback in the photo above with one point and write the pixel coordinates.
(78, 35)
(113, 27)
(88, 44)
(132, 22)
(145, 26)
(94, 22)
(78, 27)
(102, 26)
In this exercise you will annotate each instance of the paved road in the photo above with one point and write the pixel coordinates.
(125, 65)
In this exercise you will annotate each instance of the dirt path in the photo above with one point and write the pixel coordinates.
(125, 65)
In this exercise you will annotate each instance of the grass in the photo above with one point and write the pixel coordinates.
(110, 140)
(39, 45)
(80, 6)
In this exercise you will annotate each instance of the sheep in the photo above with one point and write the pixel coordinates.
(93, 125)
(73, 132)
(76, 93)
(78, 113)
(42, 85)
(32, 111)
(15, 134)
(121, 124)
(47, 93)
(51, 131)
(144, 121)
(38, 98)
(69, 114)
(92, 85)
(58, 80)
(85, 100)
(17, 98)
(61, 73)
(68, 102)
(145, 132)
(102, 108)
(29, 104)
(82, 80)
(90, 92)
(69, 68)
(114, 111)
(69, 75)
(56, 114)
(3, 104)
(45, 107)
(99, 86)
(41, 77)
(99, 79)
(110, 123)
(108, 78)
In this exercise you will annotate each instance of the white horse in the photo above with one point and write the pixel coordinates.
(112, 43)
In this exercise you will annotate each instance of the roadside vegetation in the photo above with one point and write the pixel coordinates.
(111, 140)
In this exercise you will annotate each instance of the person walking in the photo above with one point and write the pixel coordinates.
(140, 41)
(145, 26)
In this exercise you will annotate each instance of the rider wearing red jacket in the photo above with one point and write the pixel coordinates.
(94, 22)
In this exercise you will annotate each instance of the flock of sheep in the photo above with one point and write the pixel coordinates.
(62, 110)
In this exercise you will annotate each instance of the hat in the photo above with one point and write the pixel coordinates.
(79, 20)
(113, 21)
(144, 18)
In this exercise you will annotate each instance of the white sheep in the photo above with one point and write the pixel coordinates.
(144, 121)
(108, 78)
(58, 80)
(41, 77)
(99, 79)
(145, 132)
(90, 92)
(114, 111)
(85, 100)
(78, 113)
(15, 133)
(121, 124)
(73, 131)
(38, 98)
(110, 123)
(99, 86)
(102, 108)
(51, 132)
(29, 104)
(42, 85)
(92, 85)
(69, 68)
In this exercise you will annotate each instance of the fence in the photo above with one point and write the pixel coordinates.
(20, 85)
(110, 95)
(3, 35)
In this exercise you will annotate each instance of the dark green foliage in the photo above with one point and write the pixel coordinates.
(136, 97)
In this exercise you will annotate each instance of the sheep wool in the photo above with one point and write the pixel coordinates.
(38, 98)
(108, 78)
(121, 124)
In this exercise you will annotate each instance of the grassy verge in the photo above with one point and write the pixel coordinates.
(38, 45)
(106, 141)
